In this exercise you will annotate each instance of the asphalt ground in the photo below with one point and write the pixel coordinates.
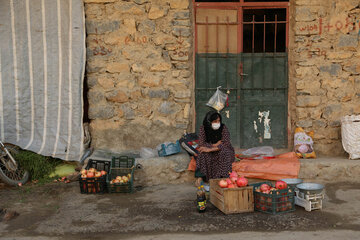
(60, 211)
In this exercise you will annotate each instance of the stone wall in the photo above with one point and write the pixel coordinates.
(325, 68)
(139, 71)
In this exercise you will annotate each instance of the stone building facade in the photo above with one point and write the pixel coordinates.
(140, 70)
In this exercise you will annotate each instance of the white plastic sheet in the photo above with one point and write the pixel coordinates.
(350, 133)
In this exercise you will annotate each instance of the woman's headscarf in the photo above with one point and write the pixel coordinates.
(212, 136)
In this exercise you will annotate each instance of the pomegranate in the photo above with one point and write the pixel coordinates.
(269, 201)
(264, 208)
(233, 174)
(264, 187)
(223, 183)
(228, 181)
(242, 182)
(231, 185)
(233, 179)
(280, 184)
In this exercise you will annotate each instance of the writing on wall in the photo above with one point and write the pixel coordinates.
(332, 26)
(139, 40)
(100, 49)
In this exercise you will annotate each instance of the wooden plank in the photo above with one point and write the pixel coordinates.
(213, 14)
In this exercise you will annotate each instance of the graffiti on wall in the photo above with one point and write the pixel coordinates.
(139, 40)
(100, 49)
(335, 25)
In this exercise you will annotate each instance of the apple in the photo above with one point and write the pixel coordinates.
(83, 175)
(97, 174)
(93, 170)
(90, 174)
(103, 173)
(83, 172)
(231, 185)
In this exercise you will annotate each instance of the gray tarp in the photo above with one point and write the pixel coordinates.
(42, 61)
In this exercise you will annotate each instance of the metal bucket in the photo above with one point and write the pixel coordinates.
(292, 182)
(310, 188)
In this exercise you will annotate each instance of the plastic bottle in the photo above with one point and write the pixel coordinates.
(201, 199)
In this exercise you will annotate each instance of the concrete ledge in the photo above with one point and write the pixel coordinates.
(164, 170)
(330, 169)
(173, 169)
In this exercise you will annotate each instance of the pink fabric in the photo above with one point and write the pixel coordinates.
(285, 165)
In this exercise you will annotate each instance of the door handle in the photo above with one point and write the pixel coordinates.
(240, 70)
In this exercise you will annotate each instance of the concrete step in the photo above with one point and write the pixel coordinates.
(330, 169)
(173, 169)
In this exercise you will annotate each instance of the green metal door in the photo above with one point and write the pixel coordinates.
(234, 50)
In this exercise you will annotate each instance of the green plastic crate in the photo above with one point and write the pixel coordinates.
(122, 162)
(120, 187)
(278, 201)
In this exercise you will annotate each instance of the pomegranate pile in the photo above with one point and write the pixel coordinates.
(233, 181)
(269, 198)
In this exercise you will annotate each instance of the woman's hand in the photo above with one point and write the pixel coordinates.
(206, 149)
(217, 144)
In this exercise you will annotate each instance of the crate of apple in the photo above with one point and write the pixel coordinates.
(92, 181)
(121, 179)
(233, 181)
(92, 173)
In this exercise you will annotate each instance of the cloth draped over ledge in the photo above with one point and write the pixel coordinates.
(285, 165)
(282, 166)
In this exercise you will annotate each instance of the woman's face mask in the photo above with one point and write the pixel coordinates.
(215, 126)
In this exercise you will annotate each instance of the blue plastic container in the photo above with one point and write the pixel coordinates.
(169, 149)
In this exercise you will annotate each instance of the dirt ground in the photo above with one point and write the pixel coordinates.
(59, 211)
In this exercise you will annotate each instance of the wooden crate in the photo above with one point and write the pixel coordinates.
(231, 200)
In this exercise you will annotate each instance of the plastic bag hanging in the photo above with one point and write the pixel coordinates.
(218, 100)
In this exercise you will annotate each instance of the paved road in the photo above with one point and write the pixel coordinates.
(59, 211)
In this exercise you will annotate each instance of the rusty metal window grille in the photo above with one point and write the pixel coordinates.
(265, 1)
(239, 1)
(264, 30)
(217, 1)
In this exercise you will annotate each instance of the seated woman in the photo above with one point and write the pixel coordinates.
(216, 153)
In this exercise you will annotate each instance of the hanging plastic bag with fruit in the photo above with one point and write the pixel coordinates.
(218, 100)
(303, 143)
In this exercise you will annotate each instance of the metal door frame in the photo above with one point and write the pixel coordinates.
(239, 6)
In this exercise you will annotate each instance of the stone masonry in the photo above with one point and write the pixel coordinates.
(324, 68)
(139, 71)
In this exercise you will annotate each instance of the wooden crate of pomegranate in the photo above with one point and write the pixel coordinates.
(231, 200)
